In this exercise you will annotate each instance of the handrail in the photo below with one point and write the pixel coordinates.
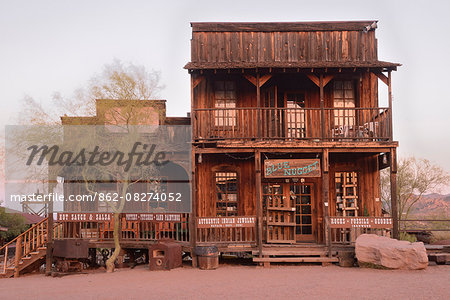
(23, 233)
(290, 108)
(286, 123)
(28, 243)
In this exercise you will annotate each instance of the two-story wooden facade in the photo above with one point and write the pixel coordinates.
(287, 131)
(288, 140)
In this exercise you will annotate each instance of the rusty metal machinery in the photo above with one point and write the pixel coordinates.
(70, 255)
(165, 255)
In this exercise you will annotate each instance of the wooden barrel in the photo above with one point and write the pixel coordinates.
(208, 257)
(346, 258)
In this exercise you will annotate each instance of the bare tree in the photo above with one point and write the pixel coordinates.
(116, 81)
(415, 177)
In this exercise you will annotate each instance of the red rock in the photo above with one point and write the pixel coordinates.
(390, 253)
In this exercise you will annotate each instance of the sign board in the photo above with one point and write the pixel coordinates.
(226, 222)
(152, 217)
(360, 222)
(86, 217)
(288, 168)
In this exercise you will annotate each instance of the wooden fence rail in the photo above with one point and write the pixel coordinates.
(226, 230)
(130, 230)
(356, 124)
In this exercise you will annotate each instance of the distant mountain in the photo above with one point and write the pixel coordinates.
(432, 205)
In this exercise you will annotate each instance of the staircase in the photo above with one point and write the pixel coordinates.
(301, 253)
(29, 253)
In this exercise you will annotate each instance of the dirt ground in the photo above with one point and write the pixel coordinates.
(236, 282)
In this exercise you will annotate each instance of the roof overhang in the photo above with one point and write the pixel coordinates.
(383, 65)
(283, 26)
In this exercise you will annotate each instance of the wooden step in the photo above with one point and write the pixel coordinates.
(291, 252)
(296, 259)
(439, 258)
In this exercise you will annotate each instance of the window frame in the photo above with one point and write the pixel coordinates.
(226, 201)
(226, 118)
(344, 115)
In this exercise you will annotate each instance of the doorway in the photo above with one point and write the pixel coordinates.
(289, 211)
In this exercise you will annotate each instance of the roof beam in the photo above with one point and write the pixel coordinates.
(262, 80)
(315, 79)
(382, 77)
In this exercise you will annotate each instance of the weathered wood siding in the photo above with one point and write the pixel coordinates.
(291, 46)
(206, 190)
(366, 89)
(368, 181)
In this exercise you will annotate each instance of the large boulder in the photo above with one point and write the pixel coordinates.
(390, 253)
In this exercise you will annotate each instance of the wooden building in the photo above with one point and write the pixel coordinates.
(288, 140)
(288, 134)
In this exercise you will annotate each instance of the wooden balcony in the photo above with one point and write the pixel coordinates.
(293, 124)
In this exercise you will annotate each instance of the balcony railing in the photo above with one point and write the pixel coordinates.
(130, 230)
(329, 124)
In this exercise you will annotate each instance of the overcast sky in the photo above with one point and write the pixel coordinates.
(48, 46)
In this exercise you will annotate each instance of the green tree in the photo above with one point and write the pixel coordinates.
(415, 177)
(14, 222)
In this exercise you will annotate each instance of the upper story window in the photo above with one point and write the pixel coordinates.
(226, 194)
(225, 103)
(344, 103)
(295, 115)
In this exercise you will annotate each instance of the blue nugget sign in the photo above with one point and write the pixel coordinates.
(287, 168)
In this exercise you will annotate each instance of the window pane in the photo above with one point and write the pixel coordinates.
(349, 94)
(338, 93)
(219, 85)
(230, 85)
(226, 190)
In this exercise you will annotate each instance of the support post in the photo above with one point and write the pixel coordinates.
(390, 106)
(49, 250)
(18, 255)
(193, 214)
(322, 105)
(258, 201)
(326, 198)
(394, 202)
(258, 106)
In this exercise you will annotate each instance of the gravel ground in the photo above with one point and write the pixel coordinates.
(236, 282)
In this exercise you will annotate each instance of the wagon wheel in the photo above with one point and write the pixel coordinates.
(105, 254)
(59, 265)
(65, 266)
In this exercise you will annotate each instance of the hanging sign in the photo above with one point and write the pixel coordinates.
(360, 222)
(226, 222)
(288, 168)
(84, 217)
